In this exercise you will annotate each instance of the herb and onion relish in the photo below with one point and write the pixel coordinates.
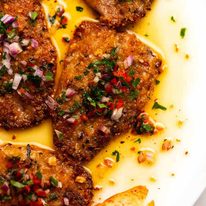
(31, 176)
(108, 90)
(27, 64)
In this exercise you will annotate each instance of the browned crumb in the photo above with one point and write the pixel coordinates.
(176, 47)
(186, 152)
(167, 145)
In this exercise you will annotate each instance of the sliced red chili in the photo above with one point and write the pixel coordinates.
(27, 188)
(84, 117)
(41, 193)
(119, 103)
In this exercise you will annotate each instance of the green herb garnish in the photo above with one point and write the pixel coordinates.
(117, 154)
(79, 8)
(183, 32)
(158, 106)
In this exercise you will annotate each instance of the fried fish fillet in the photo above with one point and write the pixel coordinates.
(35, 177)
(116, 13)
(27, 63)
(132, 197)
(108, 78)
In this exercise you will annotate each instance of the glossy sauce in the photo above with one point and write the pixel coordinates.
(158, 28)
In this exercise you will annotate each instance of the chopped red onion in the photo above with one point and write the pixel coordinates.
(24, 77)
(15, 39)
(96, 79)
(25, 42)
(16, 82)
(15, 24)
(128, 61)
(51, 103)
(71, 120)
(7, 19)
(66, 116)
(24, 63)
(6, 46)
(59, 184)
(104, 129)
(5, 187)
(14, 49)
(66, 201)
(39, 73)
(117, 113)
(105, 99)
(34, 43)
(70, 92)
(22, 92)
(58, 133)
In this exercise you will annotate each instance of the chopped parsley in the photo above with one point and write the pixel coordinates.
(39, 175)
(183, 32)
(157, 81)
(117, 154)
(53, 181)
(53, 196)
(33, 15)
(133, 94)
(172, 19)
(17, 184)
(52, 19)
(62, 98)
(3, 71)
(138, 141)
(79, 8)
(79, 77)
(66, 39)
(158, 106)
(135, 82)
(49, 76)
(113, 51)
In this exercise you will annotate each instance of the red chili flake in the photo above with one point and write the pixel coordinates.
(9, 165)
(114, 81)
(127, 78)
(18, 174)
(30, 64)
(108, 88)
(27, 188)
(110, 105)
(36, 180)
(123, 74)
(76, 122)
(84, 117)
(64, 20)
(119, 103)
(124, 89)
(41, 193)
(60, 11)
(9, 29)
(116, 67)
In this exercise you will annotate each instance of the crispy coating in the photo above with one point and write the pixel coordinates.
(25, 106)
(117, 13)
(99, 96)
(74, 182)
